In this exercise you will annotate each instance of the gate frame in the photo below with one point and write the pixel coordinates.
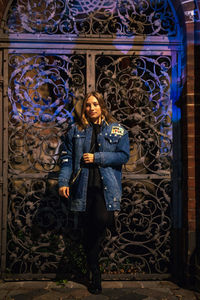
(175, 55)
(35, 43)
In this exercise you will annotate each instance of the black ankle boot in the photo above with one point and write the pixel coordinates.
(95, 286)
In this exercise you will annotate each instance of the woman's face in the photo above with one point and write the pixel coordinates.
(93, 110)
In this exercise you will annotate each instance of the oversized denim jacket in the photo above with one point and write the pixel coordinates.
(113, 152)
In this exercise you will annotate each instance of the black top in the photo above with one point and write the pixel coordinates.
(94, 179)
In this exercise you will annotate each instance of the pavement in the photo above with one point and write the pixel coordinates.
(113, 290)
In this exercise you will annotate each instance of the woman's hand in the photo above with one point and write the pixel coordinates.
(64, 191)
(88, 158)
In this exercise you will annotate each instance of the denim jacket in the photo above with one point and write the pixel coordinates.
(113, 152)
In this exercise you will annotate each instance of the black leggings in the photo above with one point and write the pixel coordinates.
(96, 219)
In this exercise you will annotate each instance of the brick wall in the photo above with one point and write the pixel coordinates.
(191, 157)
(190, 110)
(197, 149)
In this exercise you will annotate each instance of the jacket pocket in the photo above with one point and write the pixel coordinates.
(79, 141)
(112, 139)
(79, 136)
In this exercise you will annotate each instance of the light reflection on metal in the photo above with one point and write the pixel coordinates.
(39, 87)
(93, 18)
(42, 91)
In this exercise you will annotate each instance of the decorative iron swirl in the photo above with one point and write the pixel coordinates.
(137, 91)
(42, 87)
(35, 16)
(42, 91)
(36, 221)
(93, 18)
(141, 242)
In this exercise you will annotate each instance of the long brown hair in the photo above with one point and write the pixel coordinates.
(84, 122)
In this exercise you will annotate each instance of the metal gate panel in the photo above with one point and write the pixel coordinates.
(137, 90)
(1, 145)
(94, 18)
(38, 221)
(5, 158)
(42, 93)
(60, 50)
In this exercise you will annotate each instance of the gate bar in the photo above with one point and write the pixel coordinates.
(5, 160)
(1, 152)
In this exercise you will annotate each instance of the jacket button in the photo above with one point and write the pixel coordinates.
(99, 144)
(110, 205)
(105, 188)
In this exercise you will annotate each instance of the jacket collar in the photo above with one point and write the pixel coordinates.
(103, 123)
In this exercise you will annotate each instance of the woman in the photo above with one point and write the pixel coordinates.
(93, 153)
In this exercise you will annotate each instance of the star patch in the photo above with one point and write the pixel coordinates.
(117, 130)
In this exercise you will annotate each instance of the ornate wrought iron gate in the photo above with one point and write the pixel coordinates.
(42, 89)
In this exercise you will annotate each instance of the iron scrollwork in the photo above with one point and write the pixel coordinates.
(35, 221)
(137, 91)
(141, 242)
(43, 92)
(93, 18)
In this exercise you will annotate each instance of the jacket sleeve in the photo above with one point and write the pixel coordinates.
(117, 158)
(66, 159)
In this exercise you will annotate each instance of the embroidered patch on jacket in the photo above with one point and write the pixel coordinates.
(117, 130)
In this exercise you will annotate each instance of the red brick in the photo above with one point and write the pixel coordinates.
(191, 188)
(192, 203)
(191, 172)
(191, 163)
(191, 182)
(191, 214)
(191, 146)
(192, 194)
(191, 139)
(192, 226)
(191, 152)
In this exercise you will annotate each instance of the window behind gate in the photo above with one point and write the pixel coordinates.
(45, 89)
